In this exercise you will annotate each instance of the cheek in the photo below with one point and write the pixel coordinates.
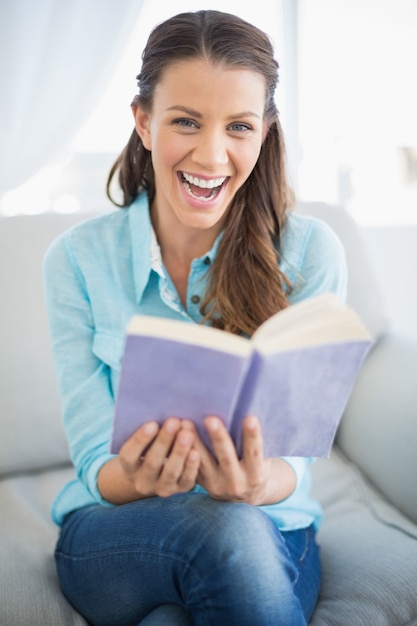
(167, 151)
(248, 158)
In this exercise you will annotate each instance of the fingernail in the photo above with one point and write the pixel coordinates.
(150, 428)
(213, 424)
(252, 423)
(185, 439)
(171, 426)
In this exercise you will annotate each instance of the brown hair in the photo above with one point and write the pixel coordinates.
(246, 285)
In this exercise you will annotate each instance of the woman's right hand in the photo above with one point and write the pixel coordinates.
(154, 461)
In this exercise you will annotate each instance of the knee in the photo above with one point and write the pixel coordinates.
(238, 528)
(245, 523)
(237, 551)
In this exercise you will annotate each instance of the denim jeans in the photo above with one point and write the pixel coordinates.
(187, 559)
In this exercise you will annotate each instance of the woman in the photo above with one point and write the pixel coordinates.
(175, 537)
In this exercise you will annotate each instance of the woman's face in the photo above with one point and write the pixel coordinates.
(205, 133)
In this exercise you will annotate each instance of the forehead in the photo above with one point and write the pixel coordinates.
(201, 81)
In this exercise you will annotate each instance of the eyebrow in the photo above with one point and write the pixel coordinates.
(179, 107)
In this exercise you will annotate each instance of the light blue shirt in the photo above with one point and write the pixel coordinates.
(103, 271)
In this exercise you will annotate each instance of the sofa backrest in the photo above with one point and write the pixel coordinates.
(364, 292)
(32, 436)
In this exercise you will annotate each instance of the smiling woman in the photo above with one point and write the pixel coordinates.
(204, 235)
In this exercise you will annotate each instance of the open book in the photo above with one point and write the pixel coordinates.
(295, 374)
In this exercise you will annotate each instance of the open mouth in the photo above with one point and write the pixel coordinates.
(202, 188)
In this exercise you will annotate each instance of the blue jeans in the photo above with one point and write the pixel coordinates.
(187, 559)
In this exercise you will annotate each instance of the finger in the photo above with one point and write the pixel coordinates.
(132, 450)
(207, 467)
(252, 446)
(166, 437)
(176, 463)
(156, 455)
(205, 455)
(223, 445)
(188, 425)
(189, 475)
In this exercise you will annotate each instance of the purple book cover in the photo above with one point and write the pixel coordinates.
(298, 395)
(162, 378)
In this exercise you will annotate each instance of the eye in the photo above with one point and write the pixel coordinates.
(185, 122)
(240, 127)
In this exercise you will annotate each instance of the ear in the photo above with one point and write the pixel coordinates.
(142, 125)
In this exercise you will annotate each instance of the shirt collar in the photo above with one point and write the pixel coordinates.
(156, 255)
(146, 253)
(141, 237)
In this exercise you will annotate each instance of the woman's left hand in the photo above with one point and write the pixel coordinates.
(252, 478)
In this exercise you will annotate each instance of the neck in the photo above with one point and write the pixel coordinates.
(182, 244)
(179, 247)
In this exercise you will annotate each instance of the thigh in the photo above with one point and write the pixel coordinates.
(117, 565)
(206, 557)
(168, 615)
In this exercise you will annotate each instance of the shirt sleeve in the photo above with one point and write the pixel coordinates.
(314, 261)
(84, 381)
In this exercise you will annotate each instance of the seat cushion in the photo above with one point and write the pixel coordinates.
(29, 590)
(369, 552)
(368, 549)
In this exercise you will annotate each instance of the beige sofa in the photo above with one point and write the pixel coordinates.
(367, 488)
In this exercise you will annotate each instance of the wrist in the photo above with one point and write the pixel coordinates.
(280, 484)
(114, 485)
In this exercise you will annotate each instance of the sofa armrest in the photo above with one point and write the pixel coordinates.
(378, 431)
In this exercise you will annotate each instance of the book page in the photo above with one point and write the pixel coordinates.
(190, 333)
(312, 322)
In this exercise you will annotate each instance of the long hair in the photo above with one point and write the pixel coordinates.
(245, 284)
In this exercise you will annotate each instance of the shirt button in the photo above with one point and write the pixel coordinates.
(207, 261)
(195, 299)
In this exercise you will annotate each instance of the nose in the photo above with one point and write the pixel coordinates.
(210, 150)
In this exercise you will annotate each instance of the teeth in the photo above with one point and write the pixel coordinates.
(202, 182)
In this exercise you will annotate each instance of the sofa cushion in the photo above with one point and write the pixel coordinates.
(360, 529)
(29, 404)
(29, 589)
(368, 550)
(378, 431)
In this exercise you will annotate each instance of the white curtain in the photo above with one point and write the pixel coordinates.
(55, 60)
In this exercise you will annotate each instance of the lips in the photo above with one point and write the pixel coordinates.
(201, 188)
